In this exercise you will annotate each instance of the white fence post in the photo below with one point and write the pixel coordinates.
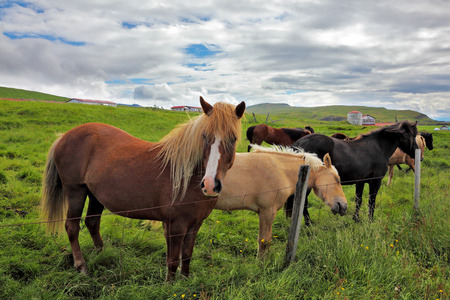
(417, 179)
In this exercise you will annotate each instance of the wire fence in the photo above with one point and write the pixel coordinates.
(155, 270)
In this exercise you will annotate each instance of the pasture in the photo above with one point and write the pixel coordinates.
(400, 254)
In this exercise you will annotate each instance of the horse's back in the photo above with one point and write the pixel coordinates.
(317, 143)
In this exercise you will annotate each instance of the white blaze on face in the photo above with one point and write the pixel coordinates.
(211, 167)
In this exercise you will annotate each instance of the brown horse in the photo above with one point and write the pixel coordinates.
(171, 181)
(262, 181)
(283, 136)
(400, 157)
(342, 136)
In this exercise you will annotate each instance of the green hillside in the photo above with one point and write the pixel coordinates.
(337, 113)
(6, 92)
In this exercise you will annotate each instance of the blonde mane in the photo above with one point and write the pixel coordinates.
(182, 148)
(310, 159)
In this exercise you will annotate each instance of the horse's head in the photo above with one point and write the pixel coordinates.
(428, 139)
(327, 186)
(222, 130)
(407, 136)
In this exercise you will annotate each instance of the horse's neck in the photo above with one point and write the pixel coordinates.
(385, 145)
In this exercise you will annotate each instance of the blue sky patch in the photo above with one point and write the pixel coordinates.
(141, 81)
(201, 51)
(25, 4)
(18, 36)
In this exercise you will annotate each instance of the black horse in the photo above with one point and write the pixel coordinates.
(428, 139)
(360, 161)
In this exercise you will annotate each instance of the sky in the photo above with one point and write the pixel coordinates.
(386, 53)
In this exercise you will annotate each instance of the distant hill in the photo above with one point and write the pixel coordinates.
(337, 113)
(277, 111)
(6, 92)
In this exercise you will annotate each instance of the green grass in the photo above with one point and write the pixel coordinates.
(400, 255)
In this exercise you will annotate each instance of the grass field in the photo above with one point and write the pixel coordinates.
(401, 254)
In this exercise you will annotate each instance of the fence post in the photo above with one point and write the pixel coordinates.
(254, 117)
(417, 179)
(297, 213)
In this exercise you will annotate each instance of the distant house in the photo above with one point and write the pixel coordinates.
(92, 102)
(354, 117)
(368, 120)
(186, 108)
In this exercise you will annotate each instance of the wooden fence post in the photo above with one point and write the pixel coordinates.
(254, 117)
(417, 179)
(297, 213)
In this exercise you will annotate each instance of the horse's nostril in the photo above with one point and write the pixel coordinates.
(218, 186)
(202, 185)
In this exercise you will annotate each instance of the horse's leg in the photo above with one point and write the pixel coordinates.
(92, 221)
(305, 209)
(76, 198)
(411, 163)
(288, 206)
(266, 218)
(358, 199)
(391, 174)
(188, 248)
(174, 240)
(374, 186)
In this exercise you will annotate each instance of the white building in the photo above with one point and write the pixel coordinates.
(92, 102)
(368, 120)
(186, 108)
(354, 117)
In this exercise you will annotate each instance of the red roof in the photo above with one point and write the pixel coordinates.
(354, 112)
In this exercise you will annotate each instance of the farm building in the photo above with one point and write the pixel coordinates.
(92, 102)
(368, 120)
(354, 117)
(186, 108)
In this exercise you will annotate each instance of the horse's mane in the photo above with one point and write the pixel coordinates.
(182, 148)
(400, 128)
(310, 159)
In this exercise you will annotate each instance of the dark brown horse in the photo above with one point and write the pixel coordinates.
(283, 136)
(363, 160)
(176, 180)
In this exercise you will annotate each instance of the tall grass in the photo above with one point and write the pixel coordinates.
(401, 254)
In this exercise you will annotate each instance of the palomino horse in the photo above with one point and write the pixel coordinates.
(400, 157)
(263, 179)
(283, 137)
(363, 160)
(170, 181)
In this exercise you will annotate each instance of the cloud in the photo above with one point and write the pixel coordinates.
(305, 53)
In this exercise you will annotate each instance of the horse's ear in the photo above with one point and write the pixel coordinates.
(327, 160)
(207, 108)
(240, 109)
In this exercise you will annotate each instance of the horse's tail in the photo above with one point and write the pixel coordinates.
(53, 203)
(250, 133)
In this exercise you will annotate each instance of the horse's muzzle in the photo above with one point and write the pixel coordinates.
(340, 207)
(209, 189)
